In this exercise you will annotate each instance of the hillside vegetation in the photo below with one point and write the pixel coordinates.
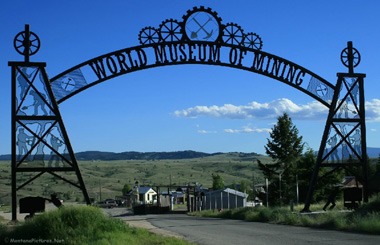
(105, 179)
(366, 219)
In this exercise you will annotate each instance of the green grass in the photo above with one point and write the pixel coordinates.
(5, 208)
(82, 225)
(180, 207)
(107, 178)
(366, 219)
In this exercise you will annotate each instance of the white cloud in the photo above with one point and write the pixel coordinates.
(372, 110)
(206, 132)
(256, 110)
(271, 110)
(247, 129)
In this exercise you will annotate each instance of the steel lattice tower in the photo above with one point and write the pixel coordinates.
(39, 139)
(343, 144)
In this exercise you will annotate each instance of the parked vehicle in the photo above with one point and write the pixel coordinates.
(258, 203)
(108, 203)
(120, 203)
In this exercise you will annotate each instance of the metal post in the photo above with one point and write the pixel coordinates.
(350, 58)
(363, 141)
(14, 140)
(279, 176)
(221, 200)
(26, 43)
(267, 191)
(228, 200)
(210, 200)
(297, 190)
(236, 201)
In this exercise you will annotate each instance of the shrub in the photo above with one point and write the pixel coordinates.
(84, 225)
(366, 219)
(264, 215)
(370, 224)
(370, 207)
(67, 223)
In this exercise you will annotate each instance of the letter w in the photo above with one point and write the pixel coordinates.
(99, 68)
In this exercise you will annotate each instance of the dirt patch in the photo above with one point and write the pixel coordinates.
(148, 226)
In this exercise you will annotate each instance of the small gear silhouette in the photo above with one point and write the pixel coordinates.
(202, 24)
(233, 34)
(345, 57)
(171, 30)
(149, 35)
(26, 45)
(252, 40)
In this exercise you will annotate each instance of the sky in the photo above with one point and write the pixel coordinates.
(192, 107)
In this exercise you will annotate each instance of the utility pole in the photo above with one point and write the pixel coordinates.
(100, 192)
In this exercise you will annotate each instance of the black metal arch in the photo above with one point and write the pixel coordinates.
(128, 60)
(39, 139)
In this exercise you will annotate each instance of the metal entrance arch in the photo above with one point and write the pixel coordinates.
(41, 145)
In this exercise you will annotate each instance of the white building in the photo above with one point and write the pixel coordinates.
(147, 195)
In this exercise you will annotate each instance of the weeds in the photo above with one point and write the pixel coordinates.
(366, 219)
(83, 225)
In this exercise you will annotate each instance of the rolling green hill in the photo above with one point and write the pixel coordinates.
(106, 178)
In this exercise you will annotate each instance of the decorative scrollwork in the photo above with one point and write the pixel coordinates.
(233, 34)
(170, 30)
(149, 35)
(252, 40)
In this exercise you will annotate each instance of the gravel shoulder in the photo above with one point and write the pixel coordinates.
(139, 221)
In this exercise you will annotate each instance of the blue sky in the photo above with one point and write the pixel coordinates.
(192, 107)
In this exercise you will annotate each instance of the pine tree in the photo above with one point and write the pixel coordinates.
(285, 148)
(378, 164)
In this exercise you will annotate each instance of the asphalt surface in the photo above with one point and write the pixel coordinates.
(211, 231)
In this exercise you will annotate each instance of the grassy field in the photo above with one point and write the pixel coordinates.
(366, 219)
(80, 225)
(105, 179)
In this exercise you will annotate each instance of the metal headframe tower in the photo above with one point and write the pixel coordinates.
(39, 140)
(343, 144)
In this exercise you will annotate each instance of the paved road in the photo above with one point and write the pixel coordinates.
(210, 231)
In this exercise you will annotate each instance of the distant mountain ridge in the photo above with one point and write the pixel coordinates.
(134, 155)
(372, 152)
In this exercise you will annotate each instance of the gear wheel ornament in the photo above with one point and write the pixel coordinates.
(202, 24)
(350, 56)
(149, 35)
(252, 40)
(26, 43)
(233, 34)
(170, 31)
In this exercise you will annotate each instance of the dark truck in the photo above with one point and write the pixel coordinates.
(108, 203)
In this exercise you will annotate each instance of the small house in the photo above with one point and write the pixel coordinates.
(147, 195)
